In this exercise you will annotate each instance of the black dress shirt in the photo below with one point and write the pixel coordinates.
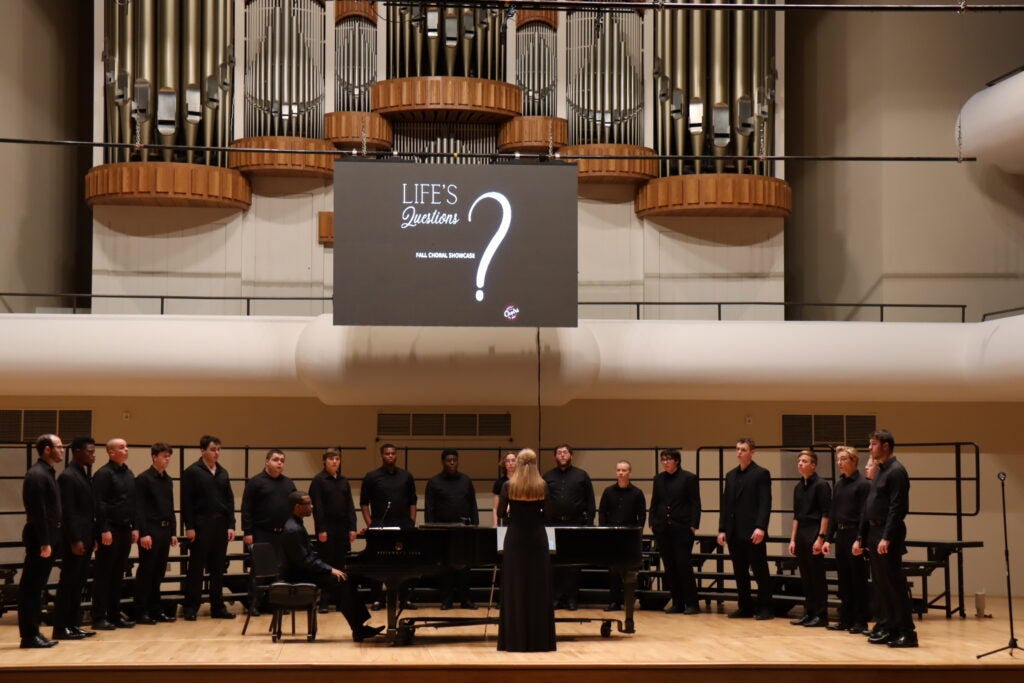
(675, 500)
(79, 504)
(389, 496)
(622, 506)
(206, 495)
(888, 501)
(746, 501)
(154, 492)
(299, 562)
(498, 483)
(570, 496)
(333, 507)
(847, 503)
(812, 499)
(265, 503)
(41, 497)
(114, 486)
(451, 499)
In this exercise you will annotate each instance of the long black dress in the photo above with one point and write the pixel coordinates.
(527, 622)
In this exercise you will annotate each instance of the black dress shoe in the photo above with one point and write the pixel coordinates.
(858, 629)
(189, 615)
(144, 619)
(880, 638)
(36, 641)
(67, 634)
(764, 615)
(446, 605)
(802, 620)
(377, 606)
(121, 622)
(363, 632)
(222, 614)
(572, 606)
(164, 618)
(908, 639)
(838, 627)
(613, 607)
(741, 614)
(816, 622)
(85, 634)
(691, 609)
(467, 604)
(102, 625)
(674, 609)
(409, 605)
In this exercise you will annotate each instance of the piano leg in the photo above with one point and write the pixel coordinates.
(628, 591)
(392, 595)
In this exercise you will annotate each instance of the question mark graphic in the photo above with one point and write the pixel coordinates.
(492, 246)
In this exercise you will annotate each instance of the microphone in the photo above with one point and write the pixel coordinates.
(1002, 476)
(385, 515)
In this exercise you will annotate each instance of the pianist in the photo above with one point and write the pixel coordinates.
(301, 564)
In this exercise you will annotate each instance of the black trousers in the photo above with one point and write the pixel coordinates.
(454, 585)
(74, 571)
(344, 595)
(108, 577)
(207, 554)
(812, 571)
(34, 576)
(675, 543)
(334, 552)
(854, 596)
(747, 557)
(890, 582)
(152, 569)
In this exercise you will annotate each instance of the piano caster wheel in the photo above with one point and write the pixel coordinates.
(311, 637)
(606, 629)
(403, 637)
(276, 638)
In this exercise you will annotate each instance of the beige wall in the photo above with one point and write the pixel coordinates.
(893, 84)
(633, 426)
(45, 84)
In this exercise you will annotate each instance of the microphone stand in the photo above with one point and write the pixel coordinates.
(1009, 593)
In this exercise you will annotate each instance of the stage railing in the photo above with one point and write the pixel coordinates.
(631, 310)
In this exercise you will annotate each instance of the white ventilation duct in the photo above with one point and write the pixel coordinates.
(991, 125)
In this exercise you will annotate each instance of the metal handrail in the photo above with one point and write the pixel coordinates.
(1006, 312)
(163, 299)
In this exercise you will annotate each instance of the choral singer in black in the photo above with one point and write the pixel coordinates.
(622, 504)
(41, 537)
(812, 499)
(675, 517)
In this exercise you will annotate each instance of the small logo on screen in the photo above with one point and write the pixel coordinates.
(511, 312)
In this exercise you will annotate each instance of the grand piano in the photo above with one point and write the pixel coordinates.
(397, 556)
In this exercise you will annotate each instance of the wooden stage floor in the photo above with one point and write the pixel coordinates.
(665, 648)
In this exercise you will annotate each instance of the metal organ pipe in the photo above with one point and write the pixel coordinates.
(284, 67)
(742, 84)
(157, 56)
(191, 68)
(144, 87)
(714, 75)
(355, 67)
(605, 88)
(720, 119)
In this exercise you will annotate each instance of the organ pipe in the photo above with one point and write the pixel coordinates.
(605, 77)
(284, 68)
(714, 79)
(442, 39)
(155, 53)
